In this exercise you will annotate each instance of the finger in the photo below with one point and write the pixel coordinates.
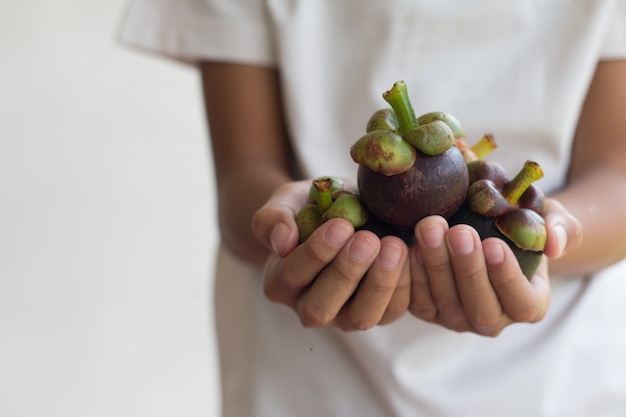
(430, 233)
(564, 230)
(285, 278)
(401, 297)
(375, 293)
(521, 300)
(422, 303)
(274, 223)
(336, 283)
(480, 301)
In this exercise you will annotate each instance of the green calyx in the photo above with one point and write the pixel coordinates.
(393, 135)
(328, 200)
(432, 138)
(484, 198)
(512, 207)
(383, 151)
(450, 121)
(349, 207)
(308, 220)
(383, 119)
(524, 227)
(432, 133)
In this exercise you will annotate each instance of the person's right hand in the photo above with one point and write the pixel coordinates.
(337, 277)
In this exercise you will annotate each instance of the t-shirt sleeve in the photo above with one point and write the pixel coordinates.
(615, 42)
(195, 30)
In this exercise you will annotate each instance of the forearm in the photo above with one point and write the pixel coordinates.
(250, 147)
(240, 194)
(597, 199)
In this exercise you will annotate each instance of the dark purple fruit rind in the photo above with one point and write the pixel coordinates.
(382, 229)
(485, 226)
(434, 185)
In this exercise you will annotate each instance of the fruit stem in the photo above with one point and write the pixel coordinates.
(323, 196)
(484, 146)
(513, 190)
(398, 98)
(466, 151)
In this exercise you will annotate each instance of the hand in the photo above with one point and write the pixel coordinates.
(464, 284)
(565, 233)
(337, 277)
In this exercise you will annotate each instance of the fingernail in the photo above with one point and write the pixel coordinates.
(561, 238)
(390, 256)
(362, 249)
(462, 242)
(279, 237)
(338, 234)
(494, 254)
(432, 236)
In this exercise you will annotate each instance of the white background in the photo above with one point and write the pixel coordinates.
(107, 222)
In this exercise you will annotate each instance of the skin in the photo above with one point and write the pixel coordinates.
(355, 281)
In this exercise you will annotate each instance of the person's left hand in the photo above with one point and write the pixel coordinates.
(464, 284)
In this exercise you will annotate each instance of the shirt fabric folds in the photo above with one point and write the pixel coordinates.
(519, 69)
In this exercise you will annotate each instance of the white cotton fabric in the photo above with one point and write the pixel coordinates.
(519, 69)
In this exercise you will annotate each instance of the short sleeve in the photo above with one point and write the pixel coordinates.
(194, 30)
(615, 41)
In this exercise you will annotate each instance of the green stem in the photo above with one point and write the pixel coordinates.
(466, 151)
(324, 193)
(513, 190)
(484, 146)
(398, 98)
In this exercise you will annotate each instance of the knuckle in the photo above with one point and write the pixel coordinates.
(360, 323)
(438, 266)
(473, 275)
(279, 283)
(258, 223)
(379, 286)
(288, 278)
(393, 312)
(347, 278)
(527, 313)
(424, 311)
(272, 293)
(397, 307)
(459, 325)
(490, 332)
(487, 324)
(313, 315)
(320, 253)
(449, 306)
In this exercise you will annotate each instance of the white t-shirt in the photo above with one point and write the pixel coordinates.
(519, 69)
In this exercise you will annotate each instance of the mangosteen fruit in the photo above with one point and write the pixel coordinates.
(328, 199)
(511, 210)
(410, 167)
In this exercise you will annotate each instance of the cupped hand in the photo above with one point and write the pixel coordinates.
(337, 277)
(565, 233)
(464, 284)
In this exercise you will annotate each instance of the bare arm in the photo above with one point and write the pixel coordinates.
(482, 290)
(337, 277)
(596, 190)
(250, 148)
